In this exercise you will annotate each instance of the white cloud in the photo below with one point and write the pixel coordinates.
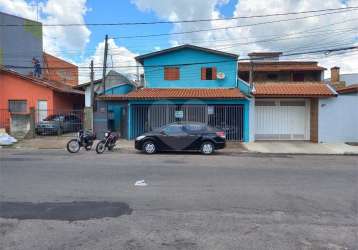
(67, 41)
(337, 30)
(118, 59)
(55, 39)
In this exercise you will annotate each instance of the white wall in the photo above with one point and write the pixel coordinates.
(88, 97)
(252, 120)
(338, 119)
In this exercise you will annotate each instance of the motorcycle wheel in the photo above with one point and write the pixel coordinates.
(101, 146)
(73, 146)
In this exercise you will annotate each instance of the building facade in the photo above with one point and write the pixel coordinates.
(188, 83)
(20, 93)
(59, 70)
(116, 84)
(20, 44)
(287, 95)
(338, 117)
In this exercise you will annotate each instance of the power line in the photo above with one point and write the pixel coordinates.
(326, 51)
(181, 21)
(229, 27)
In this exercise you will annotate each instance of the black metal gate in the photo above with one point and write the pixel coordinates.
(58, 122)
(100, 119)
(227, 117)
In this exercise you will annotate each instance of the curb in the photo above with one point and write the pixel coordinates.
(220, 152)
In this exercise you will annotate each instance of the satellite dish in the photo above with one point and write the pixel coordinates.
(220, 75)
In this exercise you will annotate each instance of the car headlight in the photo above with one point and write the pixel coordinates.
(140, 138)
(105, 134)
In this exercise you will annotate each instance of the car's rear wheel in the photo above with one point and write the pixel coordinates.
(149, 147)
(207, 148)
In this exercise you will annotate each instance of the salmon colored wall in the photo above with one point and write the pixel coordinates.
(14, 88)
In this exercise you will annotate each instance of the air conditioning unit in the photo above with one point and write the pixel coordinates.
(220, 75)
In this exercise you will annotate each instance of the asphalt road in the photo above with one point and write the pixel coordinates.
(50, 199)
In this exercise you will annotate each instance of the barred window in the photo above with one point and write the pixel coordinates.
(17, 106)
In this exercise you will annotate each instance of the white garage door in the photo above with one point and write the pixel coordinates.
(282, 119)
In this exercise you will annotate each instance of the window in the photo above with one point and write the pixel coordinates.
(208, 73)
(298, 77)
(171, 73)
(194, 127)
(265, 103)
(293, 103)
(272, 76)
(175, 129)
(17, 106)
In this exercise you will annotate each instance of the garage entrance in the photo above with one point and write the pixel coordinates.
(227, 117)
(285, 119)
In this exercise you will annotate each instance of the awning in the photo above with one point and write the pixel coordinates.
(291, 89)
(185, 93)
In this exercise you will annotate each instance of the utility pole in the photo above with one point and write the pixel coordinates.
(92, 85)
(92, 101)
(251, 76)
(105, 64)
(138, 76)
(104, 75)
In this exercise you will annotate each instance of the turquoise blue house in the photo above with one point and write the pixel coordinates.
(187, 83)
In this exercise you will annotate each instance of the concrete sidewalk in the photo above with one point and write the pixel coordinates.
(266, 147)
(300, 147)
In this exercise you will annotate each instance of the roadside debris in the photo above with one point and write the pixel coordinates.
(140, 183)
(6, 139)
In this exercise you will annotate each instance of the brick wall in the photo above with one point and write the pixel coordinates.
(56, 69)
(314, 120)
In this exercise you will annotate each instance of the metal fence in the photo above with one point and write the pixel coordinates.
(227, 117)
(58, 122)
(5, 119)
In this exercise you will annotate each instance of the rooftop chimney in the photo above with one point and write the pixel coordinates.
(335, 75)
(335, 78)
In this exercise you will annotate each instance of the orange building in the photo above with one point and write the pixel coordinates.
(19, 93)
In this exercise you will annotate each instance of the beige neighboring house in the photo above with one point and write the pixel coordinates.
(287, 96)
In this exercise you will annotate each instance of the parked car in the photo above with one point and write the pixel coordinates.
(58, 124)
(189, 136)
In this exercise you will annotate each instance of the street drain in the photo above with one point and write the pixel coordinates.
(70, 211)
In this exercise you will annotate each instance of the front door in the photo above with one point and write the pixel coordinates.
(41, 110)
(285, 119)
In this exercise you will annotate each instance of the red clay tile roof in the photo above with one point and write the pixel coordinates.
(348, 89)
(56, 86)
(159, 93)
(293, 89)
(280, 66)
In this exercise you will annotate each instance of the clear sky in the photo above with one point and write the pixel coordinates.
(82, 43)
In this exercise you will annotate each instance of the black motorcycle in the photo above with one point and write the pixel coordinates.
(109, 141)
(84, 139)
